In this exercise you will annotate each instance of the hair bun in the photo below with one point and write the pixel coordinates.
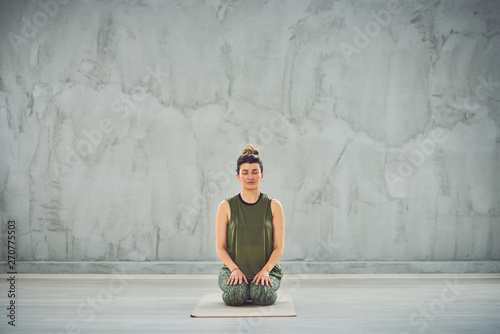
(250, 149)
(249, 154)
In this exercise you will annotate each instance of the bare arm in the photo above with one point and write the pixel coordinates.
(221, 221)
(278, 243)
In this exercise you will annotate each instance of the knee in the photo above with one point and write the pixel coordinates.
(264, 295)
(235, 295)
(224, 275)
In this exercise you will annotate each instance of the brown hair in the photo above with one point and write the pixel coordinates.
(249, 154)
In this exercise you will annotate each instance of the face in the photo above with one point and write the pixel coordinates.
(250, 176)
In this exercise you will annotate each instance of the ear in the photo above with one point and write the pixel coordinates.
(261, 176)
(238, 177)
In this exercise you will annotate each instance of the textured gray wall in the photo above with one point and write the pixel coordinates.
(379, 123)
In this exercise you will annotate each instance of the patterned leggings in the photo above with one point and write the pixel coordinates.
(235, 295)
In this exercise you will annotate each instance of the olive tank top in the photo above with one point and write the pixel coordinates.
(250, 235)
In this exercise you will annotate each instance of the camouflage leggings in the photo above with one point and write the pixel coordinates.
(234, 295)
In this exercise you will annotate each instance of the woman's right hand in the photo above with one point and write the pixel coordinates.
(237, 277)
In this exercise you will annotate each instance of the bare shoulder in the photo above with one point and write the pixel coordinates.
(224, 205)
(276, 205)
(224, 210)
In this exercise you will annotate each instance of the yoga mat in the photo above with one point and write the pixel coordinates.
(212, 306)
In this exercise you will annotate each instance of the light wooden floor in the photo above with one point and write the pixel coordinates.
(324, 303)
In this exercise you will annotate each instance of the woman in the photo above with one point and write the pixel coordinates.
(250, 237)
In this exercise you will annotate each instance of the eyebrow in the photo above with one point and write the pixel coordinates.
(246, 170)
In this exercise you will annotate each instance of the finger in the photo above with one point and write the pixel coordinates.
(244, 277)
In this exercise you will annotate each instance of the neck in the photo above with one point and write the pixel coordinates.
(250, 196)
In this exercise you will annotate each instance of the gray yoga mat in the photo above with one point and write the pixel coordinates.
(212, 306)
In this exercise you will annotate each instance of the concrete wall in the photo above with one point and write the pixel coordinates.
(379, 123)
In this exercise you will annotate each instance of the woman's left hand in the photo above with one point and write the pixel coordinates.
(262, 277)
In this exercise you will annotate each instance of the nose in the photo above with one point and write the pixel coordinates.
(250, 177)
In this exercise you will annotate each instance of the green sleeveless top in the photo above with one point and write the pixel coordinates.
(250, 235)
